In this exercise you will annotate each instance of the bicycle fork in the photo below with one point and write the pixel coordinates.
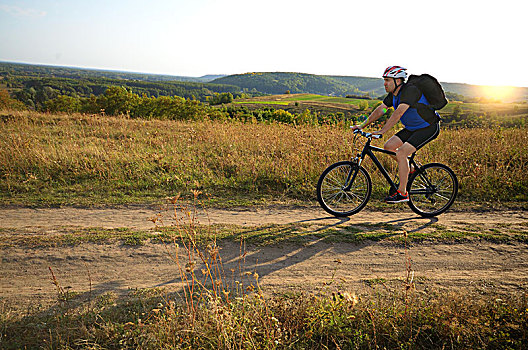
(351, 177)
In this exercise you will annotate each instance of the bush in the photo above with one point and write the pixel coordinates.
(6, 102)
(222, 98)
(363, 105)
(118, 100)
(63, 103)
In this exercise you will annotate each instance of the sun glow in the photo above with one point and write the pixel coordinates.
(502, 93)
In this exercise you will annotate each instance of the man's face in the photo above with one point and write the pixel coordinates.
(389, 85)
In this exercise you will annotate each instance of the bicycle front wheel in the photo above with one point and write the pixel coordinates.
(432, 189)
(344, 188)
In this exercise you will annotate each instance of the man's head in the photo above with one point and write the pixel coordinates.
(394, 77)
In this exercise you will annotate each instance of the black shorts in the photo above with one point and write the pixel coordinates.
(419, 138)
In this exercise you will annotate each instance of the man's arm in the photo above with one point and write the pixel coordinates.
(395, 117)
(375, 115)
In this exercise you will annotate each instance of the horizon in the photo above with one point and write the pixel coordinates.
(220, 74)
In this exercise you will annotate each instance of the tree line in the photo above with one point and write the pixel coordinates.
(36, 85)
(118, 100)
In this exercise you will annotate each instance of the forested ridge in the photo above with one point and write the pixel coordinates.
(32, 70)
(281, 82)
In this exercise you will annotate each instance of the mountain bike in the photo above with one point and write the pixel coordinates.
(344, 187)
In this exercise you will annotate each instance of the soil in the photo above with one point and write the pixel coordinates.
(25, 274)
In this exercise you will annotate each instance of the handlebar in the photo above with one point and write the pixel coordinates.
(368, 135)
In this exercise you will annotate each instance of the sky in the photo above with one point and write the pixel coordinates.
(464, 41)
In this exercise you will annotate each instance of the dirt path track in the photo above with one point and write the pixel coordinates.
(24, 273)
(140, 217)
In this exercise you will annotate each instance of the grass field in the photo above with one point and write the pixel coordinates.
(280, 103)
(93, 160)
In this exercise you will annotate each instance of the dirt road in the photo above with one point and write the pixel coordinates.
(479, 264)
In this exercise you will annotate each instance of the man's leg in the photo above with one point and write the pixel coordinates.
(402, 154)
(392, 144)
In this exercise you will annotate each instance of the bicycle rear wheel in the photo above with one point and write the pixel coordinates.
(338, 197)
(432, 189)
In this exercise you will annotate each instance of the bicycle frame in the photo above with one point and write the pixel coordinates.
(368, 150)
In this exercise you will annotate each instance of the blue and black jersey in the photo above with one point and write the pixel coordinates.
(409, 94)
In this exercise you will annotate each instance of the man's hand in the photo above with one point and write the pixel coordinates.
(356, 127)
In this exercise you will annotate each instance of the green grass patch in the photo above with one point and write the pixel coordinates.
(305, 97)
(74, 236)
(329, 100)
(263, 235)
(375, 281)
(279, 103)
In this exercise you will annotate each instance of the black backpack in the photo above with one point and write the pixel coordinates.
(433, 92)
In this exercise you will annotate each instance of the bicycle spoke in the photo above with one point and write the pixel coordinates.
(348, 194)
(441, 196)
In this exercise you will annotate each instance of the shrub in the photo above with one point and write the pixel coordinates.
(6, 102)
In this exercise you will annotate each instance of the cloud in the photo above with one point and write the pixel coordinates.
(20, 12)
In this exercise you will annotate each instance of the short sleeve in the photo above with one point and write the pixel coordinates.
(410, 95)
(387, 101)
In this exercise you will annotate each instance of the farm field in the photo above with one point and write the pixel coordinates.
(102, 246)
(355, 106)
(299, 102)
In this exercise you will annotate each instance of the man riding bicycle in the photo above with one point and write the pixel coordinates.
(417, 132)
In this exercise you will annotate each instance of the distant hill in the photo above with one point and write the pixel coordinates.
(372, 86)
(210, 77)
(35, 85)
(280, 82)
(33, 70)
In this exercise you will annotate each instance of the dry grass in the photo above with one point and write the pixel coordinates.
(76, 159)
(150, 319)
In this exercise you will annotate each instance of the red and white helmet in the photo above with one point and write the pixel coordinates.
(395, 72)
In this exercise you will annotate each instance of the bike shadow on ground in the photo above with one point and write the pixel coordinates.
(339, 221)
(317, 237)
(397, 223)
(402, 222)
(270, 249)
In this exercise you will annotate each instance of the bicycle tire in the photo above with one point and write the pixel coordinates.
(432, 189)
(331, 193)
